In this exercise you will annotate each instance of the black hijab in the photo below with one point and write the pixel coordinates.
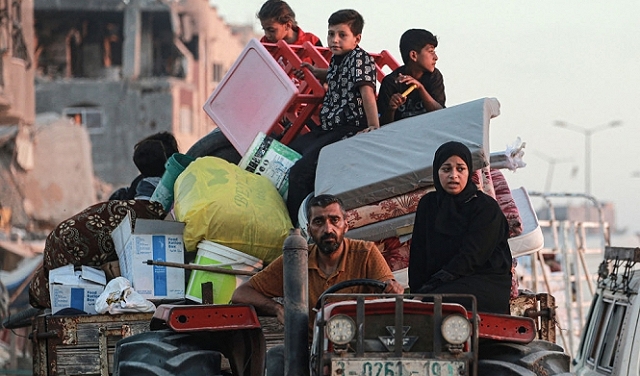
(451, 218)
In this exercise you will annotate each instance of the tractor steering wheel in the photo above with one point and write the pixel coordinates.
(351, 283)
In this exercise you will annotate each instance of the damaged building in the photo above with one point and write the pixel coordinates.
(126, 69)
(17, 107)
(17, 133)
(81, 81)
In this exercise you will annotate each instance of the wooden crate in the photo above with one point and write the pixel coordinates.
(83, 344)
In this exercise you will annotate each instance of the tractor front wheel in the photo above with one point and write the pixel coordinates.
(537, 358)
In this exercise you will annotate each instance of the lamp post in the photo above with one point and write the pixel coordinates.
(587, 132)
(552, 164)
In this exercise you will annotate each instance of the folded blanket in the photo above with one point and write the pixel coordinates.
(395, 252)
(507, 203)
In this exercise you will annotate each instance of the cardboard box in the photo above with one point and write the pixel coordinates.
(156, 240)
(271, 159)
(70, 288)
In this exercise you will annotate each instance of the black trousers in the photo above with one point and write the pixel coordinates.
(302, 176)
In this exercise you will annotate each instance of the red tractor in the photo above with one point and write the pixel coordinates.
(355, 335)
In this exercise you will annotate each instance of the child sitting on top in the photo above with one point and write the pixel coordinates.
(279, 23)
(349, 105)
(416, 87)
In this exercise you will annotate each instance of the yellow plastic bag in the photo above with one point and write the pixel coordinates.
(220, 202)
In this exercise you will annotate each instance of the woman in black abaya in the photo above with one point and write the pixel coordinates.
(459, 242)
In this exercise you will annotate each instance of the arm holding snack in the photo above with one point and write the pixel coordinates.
(430, 104)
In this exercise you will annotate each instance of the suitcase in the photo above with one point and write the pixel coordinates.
(82, 344)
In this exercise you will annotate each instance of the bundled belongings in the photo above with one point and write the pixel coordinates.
(85, 239)
(222, 203)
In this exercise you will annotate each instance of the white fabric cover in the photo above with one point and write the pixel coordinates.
(511, 158)
(397, 158)
(531, 240)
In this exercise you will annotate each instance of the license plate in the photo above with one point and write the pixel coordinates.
(396, 367)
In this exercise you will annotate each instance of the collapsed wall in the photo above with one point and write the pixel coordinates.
(48, 173)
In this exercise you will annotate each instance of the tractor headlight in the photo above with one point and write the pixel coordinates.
(456, 329)
(340, 329)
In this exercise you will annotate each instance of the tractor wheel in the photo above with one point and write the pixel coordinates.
(511, 359)
(215, 144)
(165, 353)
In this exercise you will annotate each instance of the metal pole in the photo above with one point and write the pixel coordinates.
(587, 172)
(567, 283)
(587, 162)
(587, 132)
(547, 182)
(296, 304)
(206, 268)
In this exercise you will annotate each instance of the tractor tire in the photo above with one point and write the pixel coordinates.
(215, 144)
(165, 353)
(537, 358)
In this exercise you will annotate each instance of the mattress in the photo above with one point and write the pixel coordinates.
(386, 209)
(484, 181)
(374, 232)
(531, 240)
(397, 158)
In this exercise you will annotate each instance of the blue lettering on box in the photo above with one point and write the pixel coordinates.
(77, 298)
(159, 272)
(92, 296)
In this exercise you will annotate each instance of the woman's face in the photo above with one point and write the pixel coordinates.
(453, 175)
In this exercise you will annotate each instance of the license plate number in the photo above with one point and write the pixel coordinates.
(404, 367)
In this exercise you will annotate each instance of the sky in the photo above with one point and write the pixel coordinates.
(574, 61)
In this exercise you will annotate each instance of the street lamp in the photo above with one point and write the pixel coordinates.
(552, 163)
(587, 132)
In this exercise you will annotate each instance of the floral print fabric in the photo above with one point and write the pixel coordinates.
(85, 239)
(386, 209)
